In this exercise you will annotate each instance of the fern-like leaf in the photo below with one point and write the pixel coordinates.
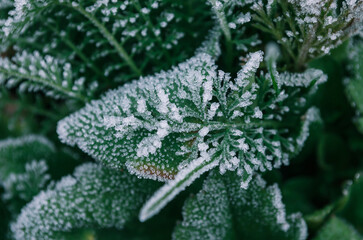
(308, 29)
(34, 72)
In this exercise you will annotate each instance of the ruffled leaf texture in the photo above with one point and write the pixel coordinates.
(94, 196)
(24, 163)
(222, 210)
(355, 83)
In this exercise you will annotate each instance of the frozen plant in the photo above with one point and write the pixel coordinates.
(181, 119)
(309, 28)
(176, 125)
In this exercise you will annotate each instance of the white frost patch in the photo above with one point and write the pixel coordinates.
(249, 69)
(204, 131)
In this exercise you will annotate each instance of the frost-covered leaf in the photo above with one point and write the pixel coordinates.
(16, 152)
(28, 184)
(207, 215)
(5, 7)
(337, 228)
(24, 168)
(307, 29)
(355, 84)
(132, 123)
(33, 72)
(266, 202)
(160, 125)
(218, 8)
(211, 44)
(93, 197)
(222, 210)
(232, 18)
(176, 107)
(108, 42)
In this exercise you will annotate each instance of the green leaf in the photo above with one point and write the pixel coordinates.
(93, 197)
(34, 72)
(110, 42)
(337, 228)
(24, 164)
(223, 210)
(161, 125)
(207, 215)
(143, 122)
(317, 218)
(355, 84)
(16, 152)
(307, 30)
(298, 193)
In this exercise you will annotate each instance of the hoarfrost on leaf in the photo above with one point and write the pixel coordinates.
(24, 168)
(28, 184)
(176, 125)
(312, 28)
(51, 212)
(127, 38)
(222, 210)
(34, 72)
(16, 152)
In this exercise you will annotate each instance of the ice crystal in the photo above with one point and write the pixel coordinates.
(79, 201)
(303, 79)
